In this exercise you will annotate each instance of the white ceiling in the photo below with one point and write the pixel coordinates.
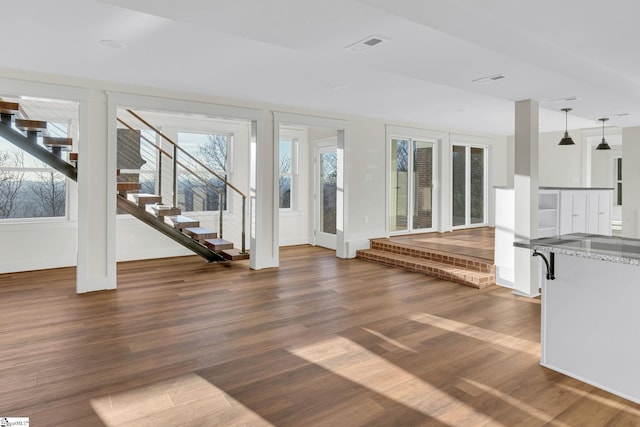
(293, 52)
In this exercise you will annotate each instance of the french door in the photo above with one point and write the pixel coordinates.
(326, 168)
(468, 186)
(412, 184)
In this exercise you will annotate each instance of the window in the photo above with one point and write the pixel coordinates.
(213, 150)
(617, 178)
(288, 163)
(469, 185)
(29, 188)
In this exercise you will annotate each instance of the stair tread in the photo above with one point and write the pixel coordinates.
(164, 210)
(234, 254)
(51, 141)
(181, 221)
(218, 244)
(464, 261)
(9, 107)
(476, 279)
(128, 186)
(421, 261)
(73, 157)
(142, 199)
(31, 125)
(200, 232)
(422, 249)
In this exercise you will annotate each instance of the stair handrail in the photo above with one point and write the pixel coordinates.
(174, 157)
(189, 155)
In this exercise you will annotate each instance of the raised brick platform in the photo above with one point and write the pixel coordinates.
(463, 269)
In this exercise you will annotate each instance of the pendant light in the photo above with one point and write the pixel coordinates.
(603, 145)
(566, 140)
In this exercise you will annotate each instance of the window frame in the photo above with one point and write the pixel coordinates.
(292, 175)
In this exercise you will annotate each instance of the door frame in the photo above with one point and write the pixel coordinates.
(487, 198)
(324, 240)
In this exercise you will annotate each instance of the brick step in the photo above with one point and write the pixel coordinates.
(9, 107)
(475, 279)
(234, 254)
(457, 260)
(31, 125)
(200, 233)
(181, 221)
(218, 245)
(144, 199)
(162, 211)
(57, 142)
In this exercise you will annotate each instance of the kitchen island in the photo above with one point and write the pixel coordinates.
(591, 309)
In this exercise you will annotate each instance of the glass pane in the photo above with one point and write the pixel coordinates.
(285, 192)
(477, 185)
(459, 185)
(286, 168)
(399, 184)
(328, 191)
(422, 184)
(32, 194)
(193, 193)
(619, 161)
(619, 194)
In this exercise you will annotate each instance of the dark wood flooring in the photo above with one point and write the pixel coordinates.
(319, 341)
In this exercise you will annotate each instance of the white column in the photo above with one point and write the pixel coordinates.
(96, 197)
(527, 268)
(630, 176)
(265, 206)
(341, 200)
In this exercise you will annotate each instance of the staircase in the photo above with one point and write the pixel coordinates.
(466, 270)
(148, 208)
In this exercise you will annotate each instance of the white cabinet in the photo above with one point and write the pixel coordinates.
(573, 211)
(600, 212)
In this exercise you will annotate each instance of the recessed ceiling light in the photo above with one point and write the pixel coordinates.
(367, 43)
(565, 99)
(113, 44)
(489, 79)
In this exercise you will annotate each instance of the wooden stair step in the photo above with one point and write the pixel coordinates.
(143, 199)
(200, 233)
(181, 221)
(164, 210)
(458, 260)
(9, 107)
(218, 244)
(31, 125)
(234, 254)
(73, 157)
(475, 279)
(128, 186)
(50, 141)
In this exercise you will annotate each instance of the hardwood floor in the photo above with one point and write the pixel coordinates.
(475, 242)
(319, 341)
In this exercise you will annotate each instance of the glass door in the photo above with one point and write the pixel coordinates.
(326, 200)
(468, 186)
(412, 186)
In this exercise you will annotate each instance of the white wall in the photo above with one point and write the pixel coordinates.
(365, 175)
(560, 166)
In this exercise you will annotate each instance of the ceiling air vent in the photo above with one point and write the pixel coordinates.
(565, 99)
(367, 43)
(489, 79)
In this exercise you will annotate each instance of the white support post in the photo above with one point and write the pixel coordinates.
(527, 268)
(97, 197)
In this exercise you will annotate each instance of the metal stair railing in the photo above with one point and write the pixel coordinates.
(173, 156)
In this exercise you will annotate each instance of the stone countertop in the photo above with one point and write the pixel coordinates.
(593, 246)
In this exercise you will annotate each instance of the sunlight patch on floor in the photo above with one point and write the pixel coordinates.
(516, 403)
(357, 364)
(491, 337)
(390, 340)
(614, 402)
(185, 400)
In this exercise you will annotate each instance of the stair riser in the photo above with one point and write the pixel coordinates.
(461, 278)
(432, 256)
